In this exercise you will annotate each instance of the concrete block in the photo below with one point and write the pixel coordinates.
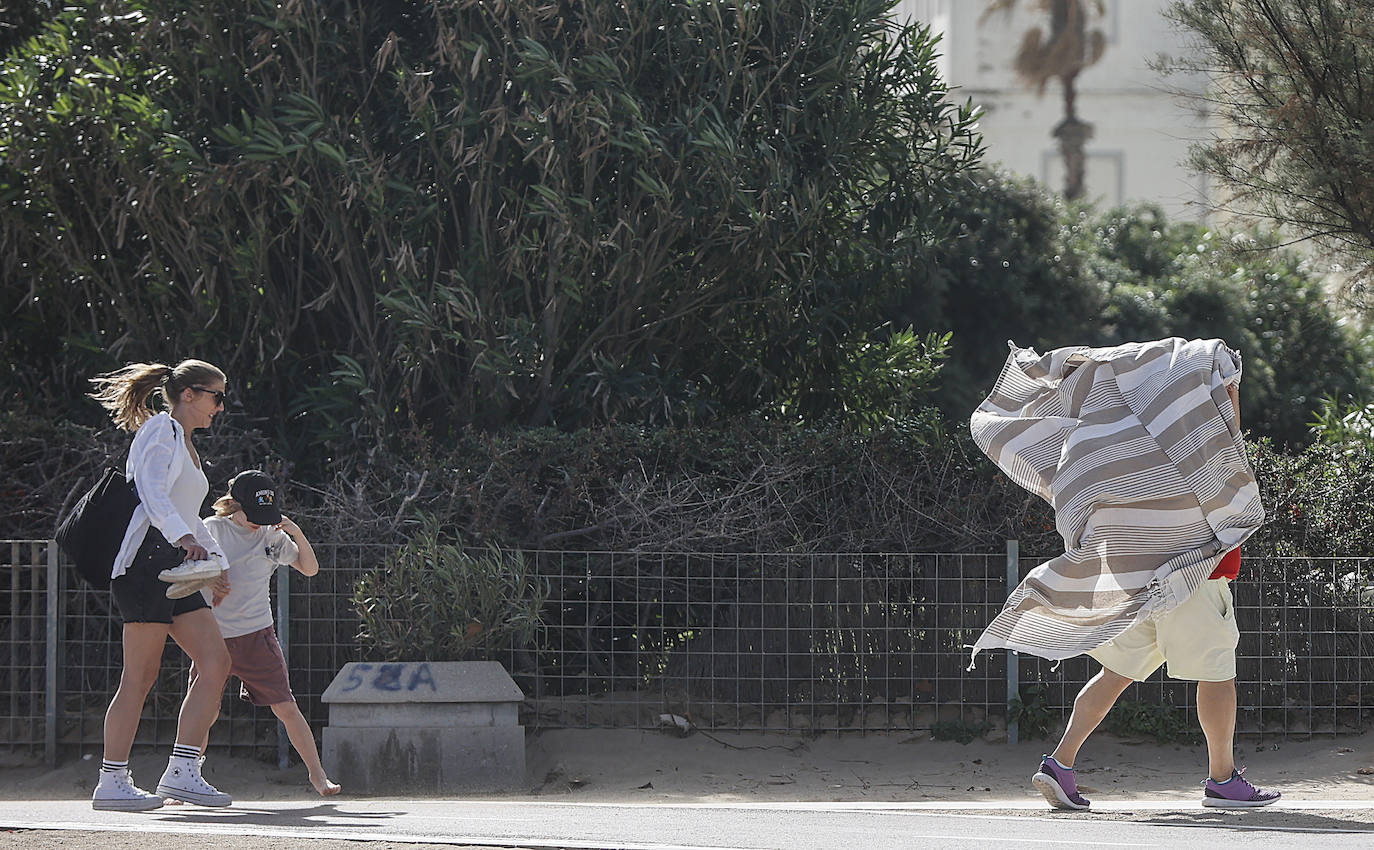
(427, 760)
(427, 727)
(398, 714)
(422, 681)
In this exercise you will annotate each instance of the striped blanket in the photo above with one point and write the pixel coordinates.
(1138, 450)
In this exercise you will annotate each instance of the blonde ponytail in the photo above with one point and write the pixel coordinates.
(125, 392)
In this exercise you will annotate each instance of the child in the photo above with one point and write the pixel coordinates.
(256, 539)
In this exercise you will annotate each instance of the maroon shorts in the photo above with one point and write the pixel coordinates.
(257, 660)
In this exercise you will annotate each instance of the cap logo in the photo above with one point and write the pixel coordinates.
(264, 497)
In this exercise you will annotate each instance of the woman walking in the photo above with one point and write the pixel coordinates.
(164, 531)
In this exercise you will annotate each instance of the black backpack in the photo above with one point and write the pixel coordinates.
(93, 530)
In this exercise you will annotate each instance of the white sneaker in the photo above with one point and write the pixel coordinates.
(190, 570)
(116, 792)
(181, 589)
(182, 781)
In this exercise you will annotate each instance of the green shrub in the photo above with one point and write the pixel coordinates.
(1349, 423)
(474, 213)
(1027, 266)
(1316, 501)
(1182, 279)
(1032, 713)
(433, 600)
(1014, 269)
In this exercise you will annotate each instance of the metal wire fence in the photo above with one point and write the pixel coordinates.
(779, 642)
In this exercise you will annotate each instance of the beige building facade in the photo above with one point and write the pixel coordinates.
(1141, 125)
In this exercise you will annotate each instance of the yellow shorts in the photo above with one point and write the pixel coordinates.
(1198, 640)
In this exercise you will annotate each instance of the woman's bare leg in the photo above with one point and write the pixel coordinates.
(143, 645)
(197, 633)
(204, 745)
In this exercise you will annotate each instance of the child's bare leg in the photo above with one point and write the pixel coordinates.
(298, 730)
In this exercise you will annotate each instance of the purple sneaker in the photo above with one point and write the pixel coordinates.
(1059, 786)
(1236, 793)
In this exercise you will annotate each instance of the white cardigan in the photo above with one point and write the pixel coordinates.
(157, 459)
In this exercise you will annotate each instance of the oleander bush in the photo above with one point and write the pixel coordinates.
(435, 600)
(391, 220)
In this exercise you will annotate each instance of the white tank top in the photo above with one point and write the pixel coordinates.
(188, 491)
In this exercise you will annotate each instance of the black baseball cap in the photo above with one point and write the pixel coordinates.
(256, 493)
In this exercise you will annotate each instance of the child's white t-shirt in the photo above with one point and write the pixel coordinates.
(253, 556)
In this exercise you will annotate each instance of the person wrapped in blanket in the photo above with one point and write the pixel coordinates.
(1139, 450)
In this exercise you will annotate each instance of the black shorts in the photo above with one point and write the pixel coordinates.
(140, 595)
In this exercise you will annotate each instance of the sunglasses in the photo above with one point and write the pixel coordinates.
(218, 394)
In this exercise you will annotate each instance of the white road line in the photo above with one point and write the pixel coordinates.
(552, 844)
(356, 819)
(357, 834)
(1116, 807)
(1043, 816)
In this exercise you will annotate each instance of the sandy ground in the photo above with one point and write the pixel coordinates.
(633, 766)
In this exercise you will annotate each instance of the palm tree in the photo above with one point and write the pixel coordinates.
(1069, 48)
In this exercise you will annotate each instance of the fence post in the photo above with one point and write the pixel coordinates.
(1013, 671)
(284, 638)
(52, 658)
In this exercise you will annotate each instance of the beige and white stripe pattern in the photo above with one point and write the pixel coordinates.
(1138, 450)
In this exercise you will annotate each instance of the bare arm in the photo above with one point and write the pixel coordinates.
(219, 589)
(1234, 392)
(306, 563)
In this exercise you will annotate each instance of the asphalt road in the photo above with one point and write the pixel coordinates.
(754, 826)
